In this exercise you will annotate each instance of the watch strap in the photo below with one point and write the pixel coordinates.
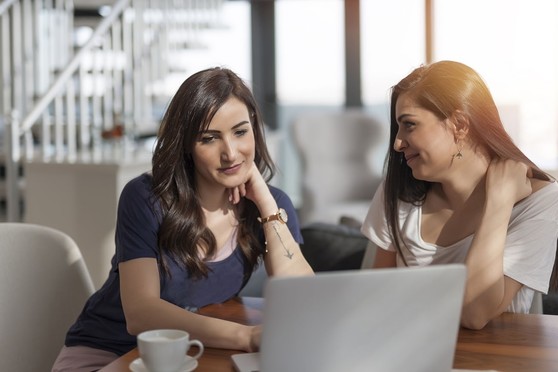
(277, 216)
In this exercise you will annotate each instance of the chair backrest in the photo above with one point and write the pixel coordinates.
(44, 283)
(333, 247)
(341, 156)
(553, 285)
(545, 304)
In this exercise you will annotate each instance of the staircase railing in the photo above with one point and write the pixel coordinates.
(106, 89)
(30, 32)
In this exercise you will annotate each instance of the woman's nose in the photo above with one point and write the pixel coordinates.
(399, 144)
(229, 150)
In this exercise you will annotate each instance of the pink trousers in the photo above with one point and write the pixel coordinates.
(82, 359)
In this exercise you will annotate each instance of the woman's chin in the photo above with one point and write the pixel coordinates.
(419, 175)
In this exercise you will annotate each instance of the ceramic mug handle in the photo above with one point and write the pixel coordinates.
(199, 345)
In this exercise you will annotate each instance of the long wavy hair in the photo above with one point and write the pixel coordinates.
(183, 230)
(444, 88)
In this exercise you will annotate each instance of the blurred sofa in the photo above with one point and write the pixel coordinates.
(327, 247)
(330, 247)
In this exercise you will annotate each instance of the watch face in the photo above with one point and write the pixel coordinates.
(283, 215)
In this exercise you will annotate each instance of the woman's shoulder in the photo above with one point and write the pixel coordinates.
(142, 182)
(137, 197)
(550, 186)
(139, 187)
(544, 197)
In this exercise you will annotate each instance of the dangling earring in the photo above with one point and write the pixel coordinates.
(459, 155)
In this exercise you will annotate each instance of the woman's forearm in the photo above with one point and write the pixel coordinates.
(212, 332)
(284, 256)
(485, 287)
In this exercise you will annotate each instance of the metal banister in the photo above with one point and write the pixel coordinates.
(5, 6)
(73, 66)
(57, 106)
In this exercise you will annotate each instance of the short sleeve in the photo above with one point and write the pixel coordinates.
(375, 225)
(531, 241)
(137, 223)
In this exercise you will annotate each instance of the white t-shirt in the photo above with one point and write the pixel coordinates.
(528, 254)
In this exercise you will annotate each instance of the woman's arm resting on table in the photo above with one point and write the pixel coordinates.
(144, 310)
(488, 292)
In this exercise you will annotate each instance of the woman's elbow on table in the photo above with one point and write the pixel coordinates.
(474, 324)
(476, 319)
(134, 326)
(142, 318)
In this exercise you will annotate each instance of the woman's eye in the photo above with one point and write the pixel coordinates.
(207, 139)
(408, 124)
(241, 132)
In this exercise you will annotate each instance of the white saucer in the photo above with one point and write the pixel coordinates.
(188, 365)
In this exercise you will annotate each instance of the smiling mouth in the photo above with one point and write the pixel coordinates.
(411, 158)
(230, 170)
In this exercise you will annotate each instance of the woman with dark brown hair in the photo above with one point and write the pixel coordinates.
(458, 190)
(191, 232)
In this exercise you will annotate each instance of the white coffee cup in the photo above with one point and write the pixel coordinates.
(164, 350)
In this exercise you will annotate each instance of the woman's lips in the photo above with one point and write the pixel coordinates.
(410, 158)
(230, 170)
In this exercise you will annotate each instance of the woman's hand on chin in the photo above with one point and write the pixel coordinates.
(236, 193)
(254, 188)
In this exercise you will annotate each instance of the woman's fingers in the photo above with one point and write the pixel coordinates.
(242, 190)
(237, 193)
(234, 195)
(509, 179)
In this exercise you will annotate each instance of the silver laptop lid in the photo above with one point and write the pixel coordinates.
(400, 319)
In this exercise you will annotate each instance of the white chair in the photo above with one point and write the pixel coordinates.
(44, 284)
(537, 304)
(342, 155)
(369, 256)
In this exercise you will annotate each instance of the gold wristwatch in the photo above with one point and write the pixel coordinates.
(280, 216)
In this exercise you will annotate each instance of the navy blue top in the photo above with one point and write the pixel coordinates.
(102, 324)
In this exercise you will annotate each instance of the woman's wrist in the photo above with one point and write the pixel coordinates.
(246, 336)
(268, 208)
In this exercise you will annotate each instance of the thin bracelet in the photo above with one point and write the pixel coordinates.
(288, 253)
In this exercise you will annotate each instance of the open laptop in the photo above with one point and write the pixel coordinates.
(397, 319)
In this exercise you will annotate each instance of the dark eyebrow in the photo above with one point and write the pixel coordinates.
(244, 122)
(241, 124)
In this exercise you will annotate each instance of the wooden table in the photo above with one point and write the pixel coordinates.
(510, 343)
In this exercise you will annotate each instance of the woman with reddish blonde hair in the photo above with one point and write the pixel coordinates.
(458, 190)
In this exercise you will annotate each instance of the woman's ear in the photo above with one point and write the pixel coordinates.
(460, 124)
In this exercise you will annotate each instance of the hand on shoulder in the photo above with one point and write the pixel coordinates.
(508, 180)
